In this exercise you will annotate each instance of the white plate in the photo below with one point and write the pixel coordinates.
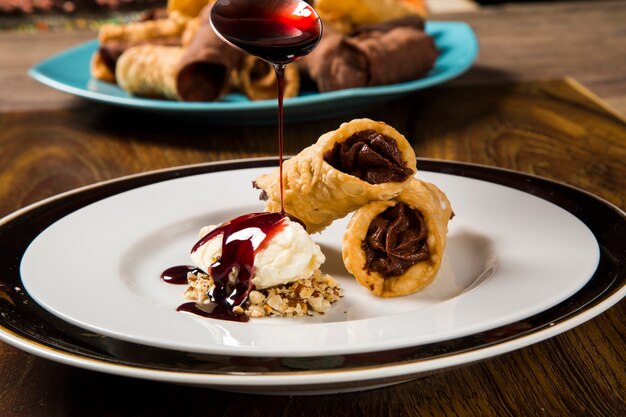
(487, 214)
(99, 269)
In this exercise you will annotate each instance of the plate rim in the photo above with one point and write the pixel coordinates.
(471, 53)
(377, 372)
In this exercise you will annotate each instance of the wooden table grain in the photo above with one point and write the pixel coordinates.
(554, 128)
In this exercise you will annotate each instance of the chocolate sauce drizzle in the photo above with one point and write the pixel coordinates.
(177, 275)
(232, 273)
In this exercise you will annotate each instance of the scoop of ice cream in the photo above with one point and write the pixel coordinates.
(289, 255)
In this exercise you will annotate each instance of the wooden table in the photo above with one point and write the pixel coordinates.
(50, 143)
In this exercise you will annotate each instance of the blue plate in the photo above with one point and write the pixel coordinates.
(69, 72)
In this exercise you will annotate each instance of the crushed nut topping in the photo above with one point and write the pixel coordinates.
(296, 299)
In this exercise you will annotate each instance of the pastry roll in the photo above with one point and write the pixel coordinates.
(110, 52)
(257, 79)
(386, 53)
(345, 14)
(116, 39)
(170, 27)
(205, 67)
(190, 8)
(198, 72)
(395, 247)
(149, 70)
(99, 70)
(346, 168)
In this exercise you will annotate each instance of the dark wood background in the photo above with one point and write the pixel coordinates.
(515, 109)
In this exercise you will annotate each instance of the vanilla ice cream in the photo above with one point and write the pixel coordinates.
(289, 255)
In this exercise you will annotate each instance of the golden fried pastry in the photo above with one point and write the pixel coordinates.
(198, 72)
(395, 247)
(344, 15)
(207, 63)
(371, 55)
(116, 39)
(172, 26)
(109, 52)
(190, 31)
(257, 79)
(189, 8)
(149, 70)
(99, 70)
(360, 162)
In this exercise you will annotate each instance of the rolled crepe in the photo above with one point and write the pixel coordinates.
(110, 51)
(346, 14)
(395, 247)
(198, 72)
(206, 65)
(190, 31)
(387, 53)
(150, 70)
(346, 168)
(190, 8)
(171, 26)
(257, 79)
(116, 39)
(99, 70)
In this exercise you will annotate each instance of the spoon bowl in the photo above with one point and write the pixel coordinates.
(276, 31)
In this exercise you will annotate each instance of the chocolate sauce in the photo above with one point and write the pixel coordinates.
(219, 312)
(177, 275)
(280, 85)
(232, 273)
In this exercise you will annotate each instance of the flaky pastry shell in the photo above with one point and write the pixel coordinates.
(345, 14)
(149, 70)
(317, 193)
(436, 210)
(257, 79)
(135, 32)
(99, 70)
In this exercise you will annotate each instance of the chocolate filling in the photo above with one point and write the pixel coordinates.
(395, 241)
(370, 156)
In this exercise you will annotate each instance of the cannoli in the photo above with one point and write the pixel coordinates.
(257, 79)
(116, 39)
(109, 52)
(205, 67)
(346, 168)
(190, 8)
(171, 27)
(190, 31)
(389, 53)
(99, 70)
(343, 15)
(196, 73)
(395, 247)
(149, 70)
